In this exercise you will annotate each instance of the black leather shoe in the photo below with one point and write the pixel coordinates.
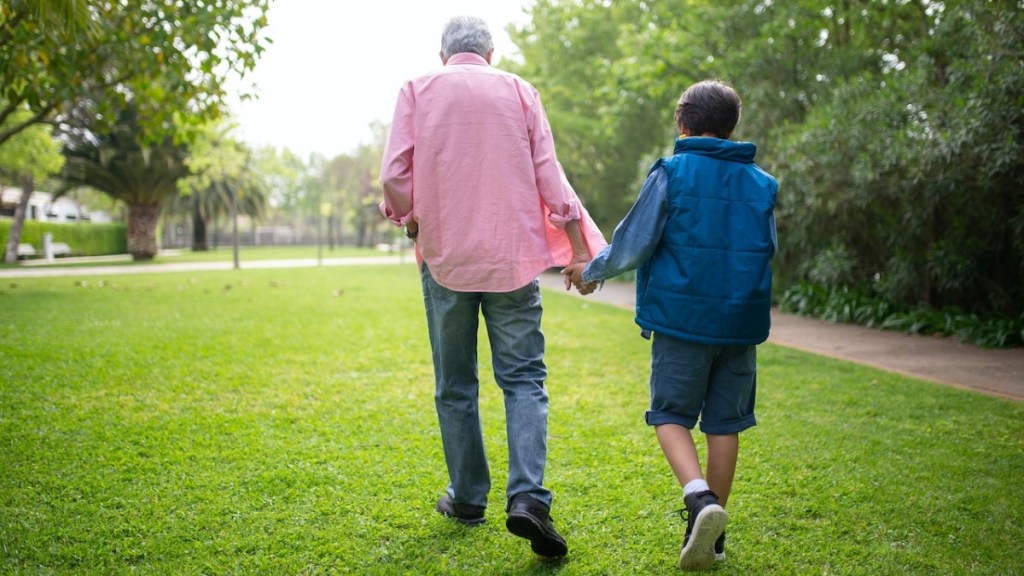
(467, 514)
(528, 518)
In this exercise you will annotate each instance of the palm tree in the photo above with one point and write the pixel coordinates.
(211, 202)
(142, 176)
(223, 182)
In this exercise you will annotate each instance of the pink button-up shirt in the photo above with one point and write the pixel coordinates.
(471, 160)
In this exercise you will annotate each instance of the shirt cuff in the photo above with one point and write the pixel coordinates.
(387, 213)
(589, 278)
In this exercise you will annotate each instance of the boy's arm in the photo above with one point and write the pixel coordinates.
(637, 236)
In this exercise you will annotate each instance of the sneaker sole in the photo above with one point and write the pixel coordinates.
(699, 552)
(542, 542)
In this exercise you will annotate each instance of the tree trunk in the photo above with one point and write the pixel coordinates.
(199, 241)
(27, 188)
(360, 234)
(142, 221)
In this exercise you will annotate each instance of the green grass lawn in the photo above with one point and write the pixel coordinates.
(282, 422)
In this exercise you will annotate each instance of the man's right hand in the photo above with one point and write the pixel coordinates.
(573, 276)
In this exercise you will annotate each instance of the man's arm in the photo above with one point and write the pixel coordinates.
(580, 255)
(580, 249)
(396, 164)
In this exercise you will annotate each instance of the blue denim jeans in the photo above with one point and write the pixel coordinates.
(517, 354)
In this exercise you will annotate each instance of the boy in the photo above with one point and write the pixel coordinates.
(701, 235)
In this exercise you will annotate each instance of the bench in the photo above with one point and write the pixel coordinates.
(60, 249)
(27, 251)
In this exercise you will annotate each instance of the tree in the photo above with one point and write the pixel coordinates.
(169, 57)
(222, 181)
(906, 179)
(164, 62)
(352, 184)
(30, 156)
(141, 175)
(283, 175)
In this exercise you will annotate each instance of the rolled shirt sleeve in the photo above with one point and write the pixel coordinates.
(555, 190)
(396, 163)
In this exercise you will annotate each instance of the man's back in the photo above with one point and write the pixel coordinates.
(473, 146)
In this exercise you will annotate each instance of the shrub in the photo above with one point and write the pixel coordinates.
(851, 307)
(84, 239)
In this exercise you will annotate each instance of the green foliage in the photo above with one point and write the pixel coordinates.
(33, 151)
(85, 239)
(170, 57)
(351, 189)
(120, 165)
(282, 422)
(607, 126)
(221, 181)
(849, 306)
(914, 169)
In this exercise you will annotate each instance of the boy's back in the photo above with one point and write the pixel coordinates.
(709, 279)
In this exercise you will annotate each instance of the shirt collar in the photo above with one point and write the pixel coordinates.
(467, 58)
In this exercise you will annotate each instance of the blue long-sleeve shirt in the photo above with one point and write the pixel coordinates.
(637, 235)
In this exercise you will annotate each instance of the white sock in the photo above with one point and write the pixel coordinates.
(698, 485)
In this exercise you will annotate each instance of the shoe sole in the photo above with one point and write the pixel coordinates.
(699, 552)
(542, 542)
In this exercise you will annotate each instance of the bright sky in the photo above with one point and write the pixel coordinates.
(336, 66)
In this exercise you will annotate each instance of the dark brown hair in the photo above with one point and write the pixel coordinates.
(708, 107)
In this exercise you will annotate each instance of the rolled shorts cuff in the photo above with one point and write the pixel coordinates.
(731, 427)
(659, 417)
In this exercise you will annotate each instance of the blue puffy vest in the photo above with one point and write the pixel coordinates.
(710, 280)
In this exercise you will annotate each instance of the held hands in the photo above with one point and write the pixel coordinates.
(573, 276)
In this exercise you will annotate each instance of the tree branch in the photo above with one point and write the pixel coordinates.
(37, 118)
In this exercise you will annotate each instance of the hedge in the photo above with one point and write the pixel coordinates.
(85, 239)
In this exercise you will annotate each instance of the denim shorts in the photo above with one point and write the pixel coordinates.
(716, 384)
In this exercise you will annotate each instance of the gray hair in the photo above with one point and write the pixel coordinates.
(466, 34)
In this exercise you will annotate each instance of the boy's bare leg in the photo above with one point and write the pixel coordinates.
(677, 444)
(723, 451)
(705, 517)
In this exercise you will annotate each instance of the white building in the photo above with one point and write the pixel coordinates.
(42, 207)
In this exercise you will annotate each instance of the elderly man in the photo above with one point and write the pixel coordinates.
(470, 171)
